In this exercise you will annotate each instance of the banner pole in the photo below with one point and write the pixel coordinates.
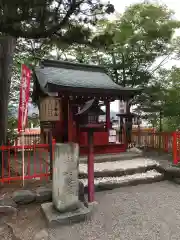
(23, 110)
(23, 165)
(23, 131)
(22, 134)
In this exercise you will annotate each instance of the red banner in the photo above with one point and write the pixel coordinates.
(24, 97)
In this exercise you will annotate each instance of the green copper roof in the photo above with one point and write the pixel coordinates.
(74, 75)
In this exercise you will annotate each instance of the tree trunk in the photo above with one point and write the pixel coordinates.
(7, 46)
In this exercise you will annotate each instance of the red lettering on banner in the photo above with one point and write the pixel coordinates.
(24, 97)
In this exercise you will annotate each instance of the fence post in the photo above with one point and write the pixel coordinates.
(166, 142)
(159, 141)
(139, 135)
(174, 148)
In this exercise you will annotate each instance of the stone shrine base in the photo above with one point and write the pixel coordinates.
(54, 217)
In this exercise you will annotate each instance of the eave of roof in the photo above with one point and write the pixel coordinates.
(58, 76)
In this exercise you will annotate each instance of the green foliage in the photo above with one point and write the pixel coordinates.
(164, 99)
(172, 101)
(35, 121)
(129, 46)
(171, 124)
(141, 35)
(47, 25)
(11, 132)
(50, 18)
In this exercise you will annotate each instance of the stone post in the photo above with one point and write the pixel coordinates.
(65, 207)
(65, 177)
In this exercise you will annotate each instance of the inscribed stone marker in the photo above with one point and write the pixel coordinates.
(65, 177)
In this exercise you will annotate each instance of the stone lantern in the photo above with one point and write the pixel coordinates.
(88, 121)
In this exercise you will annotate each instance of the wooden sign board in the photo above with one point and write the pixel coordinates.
(49, 109)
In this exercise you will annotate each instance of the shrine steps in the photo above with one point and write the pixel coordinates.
(119, 168)
(110, 175)
(101, 158)
(102, 184)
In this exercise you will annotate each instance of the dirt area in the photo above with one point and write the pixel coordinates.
(140, 212)
(28, 222)
(9, 188)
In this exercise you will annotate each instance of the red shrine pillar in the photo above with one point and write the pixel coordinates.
(70, 122)
(90, 166)
(108, 120)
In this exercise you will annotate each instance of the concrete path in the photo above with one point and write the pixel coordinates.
(143, 212)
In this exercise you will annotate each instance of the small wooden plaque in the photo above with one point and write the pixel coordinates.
(49, 109)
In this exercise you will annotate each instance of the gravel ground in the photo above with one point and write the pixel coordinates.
(134, 213)
(143, 212)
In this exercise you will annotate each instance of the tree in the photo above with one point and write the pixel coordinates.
(161, 103)
(172, 99)
(6, 55)
(50, 20)
(136, 39)
(129, 47)
(29, 52)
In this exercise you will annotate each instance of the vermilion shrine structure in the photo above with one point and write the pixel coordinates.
(69, 97)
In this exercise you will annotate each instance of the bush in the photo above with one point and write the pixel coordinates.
(11, 132)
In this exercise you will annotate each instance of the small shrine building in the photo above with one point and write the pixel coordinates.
(69, 97)
(61, 89)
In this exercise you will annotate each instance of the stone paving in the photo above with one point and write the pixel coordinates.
(119, 173)
(143, 212)
(144, 177)
(120, 165)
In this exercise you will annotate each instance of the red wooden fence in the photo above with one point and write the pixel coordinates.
(36, 160)
(37, 156)
(165, 141)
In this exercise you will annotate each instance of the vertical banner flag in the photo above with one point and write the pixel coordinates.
(24, 97)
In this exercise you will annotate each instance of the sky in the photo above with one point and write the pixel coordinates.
(120, 7)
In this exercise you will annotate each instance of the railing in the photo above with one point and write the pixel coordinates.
(154, 140)
(176, 147)
(37, 159)
(29, 139)
(165, 141)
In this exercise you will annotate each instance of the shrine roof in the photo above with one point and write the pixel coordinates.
(56, 75)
